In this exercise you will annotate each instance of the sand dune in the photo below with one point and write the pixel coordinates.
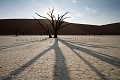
(28, 27)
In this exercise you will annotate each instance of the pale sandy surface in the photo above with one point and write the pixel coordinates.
(68, 58)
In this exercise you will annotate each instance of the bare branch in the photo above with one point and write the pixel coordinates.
(64, 26)
(40, 24)
(52, 17)
(58, 17)
(47, 26)
(53, 10)
(50, 11)
(49, 15)
(45, 18)
(56, 21)
(61, 17)
(39, 27)
(41, 16)
(65, 18)
(62, 21)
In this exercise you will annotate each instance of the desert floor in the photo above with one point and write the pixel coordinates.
(65, 58)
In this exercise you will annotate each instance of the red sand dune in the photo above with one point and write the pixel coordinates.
(28, 27)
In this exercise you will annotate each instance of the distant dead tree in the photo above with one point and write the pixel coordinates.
(56, 22)
(15, 29)
(16, 32)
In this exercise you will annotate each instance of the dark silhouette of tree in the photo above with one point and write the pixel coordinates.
(56, 22)
(15, 29)
(16, 32)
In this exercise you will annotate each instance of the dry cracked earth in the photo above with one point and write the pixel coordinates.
(65, 58)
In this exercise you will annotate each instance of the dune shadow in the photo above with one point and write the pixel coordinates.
(21, 44)
(102, 76)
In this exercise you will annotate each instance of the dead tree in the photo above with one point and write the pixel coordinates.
(16, 32)
(15, 29)
(57, 23)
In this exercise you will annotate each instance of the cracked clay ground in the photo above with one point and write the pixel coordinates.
(65, 58)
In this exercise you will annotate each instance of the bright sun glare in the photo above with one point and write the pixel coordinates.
(56, 12)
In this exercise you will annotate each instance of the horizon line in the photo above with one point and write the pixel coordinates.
(65, 21)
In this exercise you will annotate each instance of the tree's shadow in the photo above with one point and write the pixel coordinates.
(17, 71)
(60, 69)
(21, 44)
(97, 46)
(93, 45)
(109, 60)
(112, 57)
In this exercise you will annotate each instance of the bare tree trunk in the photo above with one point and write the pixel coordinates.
(16, 32)
(49, 35)
(56, 34)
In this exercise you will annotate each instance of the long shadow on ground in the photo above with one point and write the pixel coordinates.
(91, 45)
(97, 46)
(112, 57)
(60, 69)
(108, 59)
(17, 71)
(96, 55)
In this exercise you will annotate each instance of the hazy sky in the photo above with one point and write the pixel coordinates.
(81, 11)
